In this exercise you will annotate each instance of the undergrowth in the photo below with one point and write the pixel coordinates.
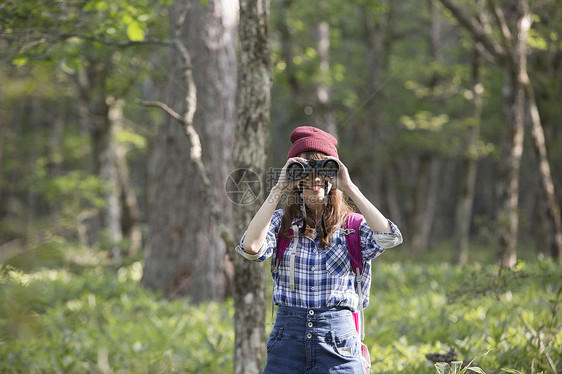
(96, 319)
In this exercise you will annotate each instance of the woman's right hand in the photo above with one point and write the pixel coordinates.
(259, 225)
(284, 184)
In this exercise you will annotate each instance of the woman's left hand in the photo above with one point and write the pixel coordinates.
(343, 180)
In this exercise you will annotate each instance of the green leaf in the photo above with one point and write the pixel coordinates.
(443, 368)
(513, 371)
(99, 6)
(20, 61)
(476, 369)
(127, 137)
(456, 366)
(135, 31)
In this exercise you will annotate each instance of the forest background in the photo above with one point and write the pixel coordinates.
(134, 147)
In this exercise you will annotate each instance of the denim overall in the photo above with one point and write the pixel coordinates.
(313, 341)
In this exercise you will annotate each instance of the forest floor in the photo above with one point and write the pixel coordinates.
(82, 315)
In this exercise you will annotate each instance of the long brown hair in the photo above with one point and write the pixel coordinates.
(335, 211)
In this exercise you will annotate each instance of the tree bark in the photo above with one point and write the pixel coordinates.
(470, 165)
(130, 214)
(94, 112)
(429, 165)
(514, 111)
(110, 175)
(547, 193)
(2, 132)
(287, 46)
(324, 118)
(425, 201)
(251, 142)
(510, 162)
(378, 37)
(185, 256)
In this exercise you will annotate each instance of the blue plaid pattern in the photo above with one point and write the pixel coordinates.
(323, 276)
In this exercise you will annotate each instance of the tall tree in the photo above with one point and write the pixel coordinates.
(252, 132)
(379, 20)
(185, 256)
(513, 23)
(463, 217)
(429, 163)
(324, 118)
(92, 80)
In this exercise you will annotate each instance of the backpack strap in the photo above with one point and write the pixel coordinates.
(352, 224)
(282, 244)
(353, 242)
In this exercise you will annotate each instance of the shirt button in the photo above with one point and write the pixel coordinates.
(312, 288)
(311, 312)
(312, 268)
(309, 336)
(310, 324)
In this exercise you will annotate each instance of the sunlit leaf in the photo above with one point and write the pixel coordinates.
(135, 31)
(476, 369)
(443, 368)
(20, 61)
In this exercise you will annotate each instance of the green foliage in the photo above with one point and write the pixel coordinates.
(455, 368)
(98, 318)
(60, 20)
(413, 312)
(57, 321)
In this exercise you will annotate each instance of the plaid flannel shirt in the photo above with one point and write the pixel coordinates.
(323, 276)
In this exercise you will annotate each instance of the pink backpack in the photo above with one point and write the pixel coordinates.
(353, 243)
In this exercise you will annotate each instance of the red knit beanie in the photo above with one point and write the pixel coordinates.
(308, 138)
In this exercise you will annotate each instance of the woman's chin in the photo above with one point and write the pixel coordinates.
(314, 196)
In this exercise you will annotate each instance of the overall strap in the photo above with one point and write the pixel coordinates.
(282, 245)
(292, 254)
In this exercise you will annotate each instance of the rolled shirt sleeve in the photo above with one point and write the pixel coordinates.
(375, 243)
(269, 245)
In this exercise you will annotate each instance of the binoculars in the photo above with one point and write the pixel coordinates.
(301, 169)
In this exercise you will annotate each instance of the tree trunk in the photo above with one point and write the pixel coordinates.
(287, 55)
(55, 147)
(324, 118)
(2, 133)
(425, 201)
(105, 136)
(509, 170)
(292, 110)
(378, 35)
(251, 142)
(547, 194)
(31, 197)
(185, 255)
(470, 165)
(514, 110)
(428, 172)
(130, 213)
(94, 112)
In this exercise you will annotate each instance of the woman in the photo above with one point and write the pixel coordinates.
(314, 289)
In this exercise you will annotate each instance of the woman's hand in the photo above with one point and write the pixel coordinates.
(343, 180)
(285, 184)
